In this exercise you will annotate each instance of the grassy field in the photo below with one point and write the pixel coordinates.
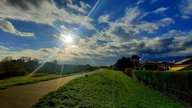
(106, 89)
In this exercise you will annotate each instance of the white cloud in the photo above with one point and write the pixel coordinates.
(82, 7)
(104, 18)
(131, 24)
(185, 17)
(7, 26)
(186, 7)
(160, 10)
(2, 48)
(167, 20)
(153, 1)
(131, 15)
(140, 2)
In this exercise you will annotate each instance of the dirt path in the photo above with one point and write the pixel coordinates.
(25, 96)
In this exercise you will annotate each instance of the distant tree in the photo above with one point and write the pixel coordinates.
(123, 63)
(135, 60)
(13, 68)
(6, 59)
(25, 59)
(10, 67)
(54, 61)
(31, 65)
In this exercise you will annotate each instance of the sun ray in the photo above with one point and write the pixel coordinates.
(68, 40)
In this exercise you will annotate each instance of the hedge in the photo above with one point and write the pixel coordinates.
(180, 81)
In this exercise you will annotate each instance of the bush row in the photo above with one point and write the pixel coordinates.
(180, 80)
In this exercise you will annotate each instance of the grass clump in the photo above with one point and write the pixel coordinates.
(106, 89)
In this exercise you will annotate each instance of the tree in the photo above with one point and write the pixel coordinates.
(123, 63)
(31, 65)
(135, 60)
(25, 59)
(6, 59)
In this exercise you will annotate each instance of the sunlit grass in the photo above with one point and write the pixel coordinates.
(106, 89)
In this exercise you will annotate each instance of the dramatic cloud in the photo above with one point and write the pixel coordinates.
(130, 25)
(7, 26)
(41, 11)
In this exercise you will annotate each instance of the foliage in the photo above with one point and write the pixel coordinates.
(105, 89)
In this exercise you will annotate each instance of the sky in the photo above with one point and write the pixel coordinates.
(100, 31)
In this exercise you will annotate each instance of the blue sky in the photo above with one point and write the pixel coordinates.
(102, 31)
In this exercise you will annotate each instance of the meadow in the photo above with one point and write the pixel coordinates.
(106, 89)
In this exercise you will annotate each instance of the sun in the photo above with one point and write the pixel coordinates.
(68, 39)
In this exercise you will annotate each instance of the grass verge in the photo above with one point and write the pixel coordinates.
(106, 89)
(24, 80)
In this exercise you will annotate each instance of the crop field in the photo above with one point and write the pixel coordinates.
(106, 89)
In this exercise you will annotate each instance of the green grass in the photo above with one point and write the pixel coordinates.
(23, 80)
(106, 89)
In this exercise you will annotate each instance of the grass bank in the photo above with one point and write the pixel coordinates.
(106, 88)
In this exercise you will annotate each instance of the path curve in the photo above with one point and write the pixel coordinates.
(27, 95)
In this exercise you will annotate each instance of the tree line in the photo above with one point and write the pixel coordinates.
(17, 67)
